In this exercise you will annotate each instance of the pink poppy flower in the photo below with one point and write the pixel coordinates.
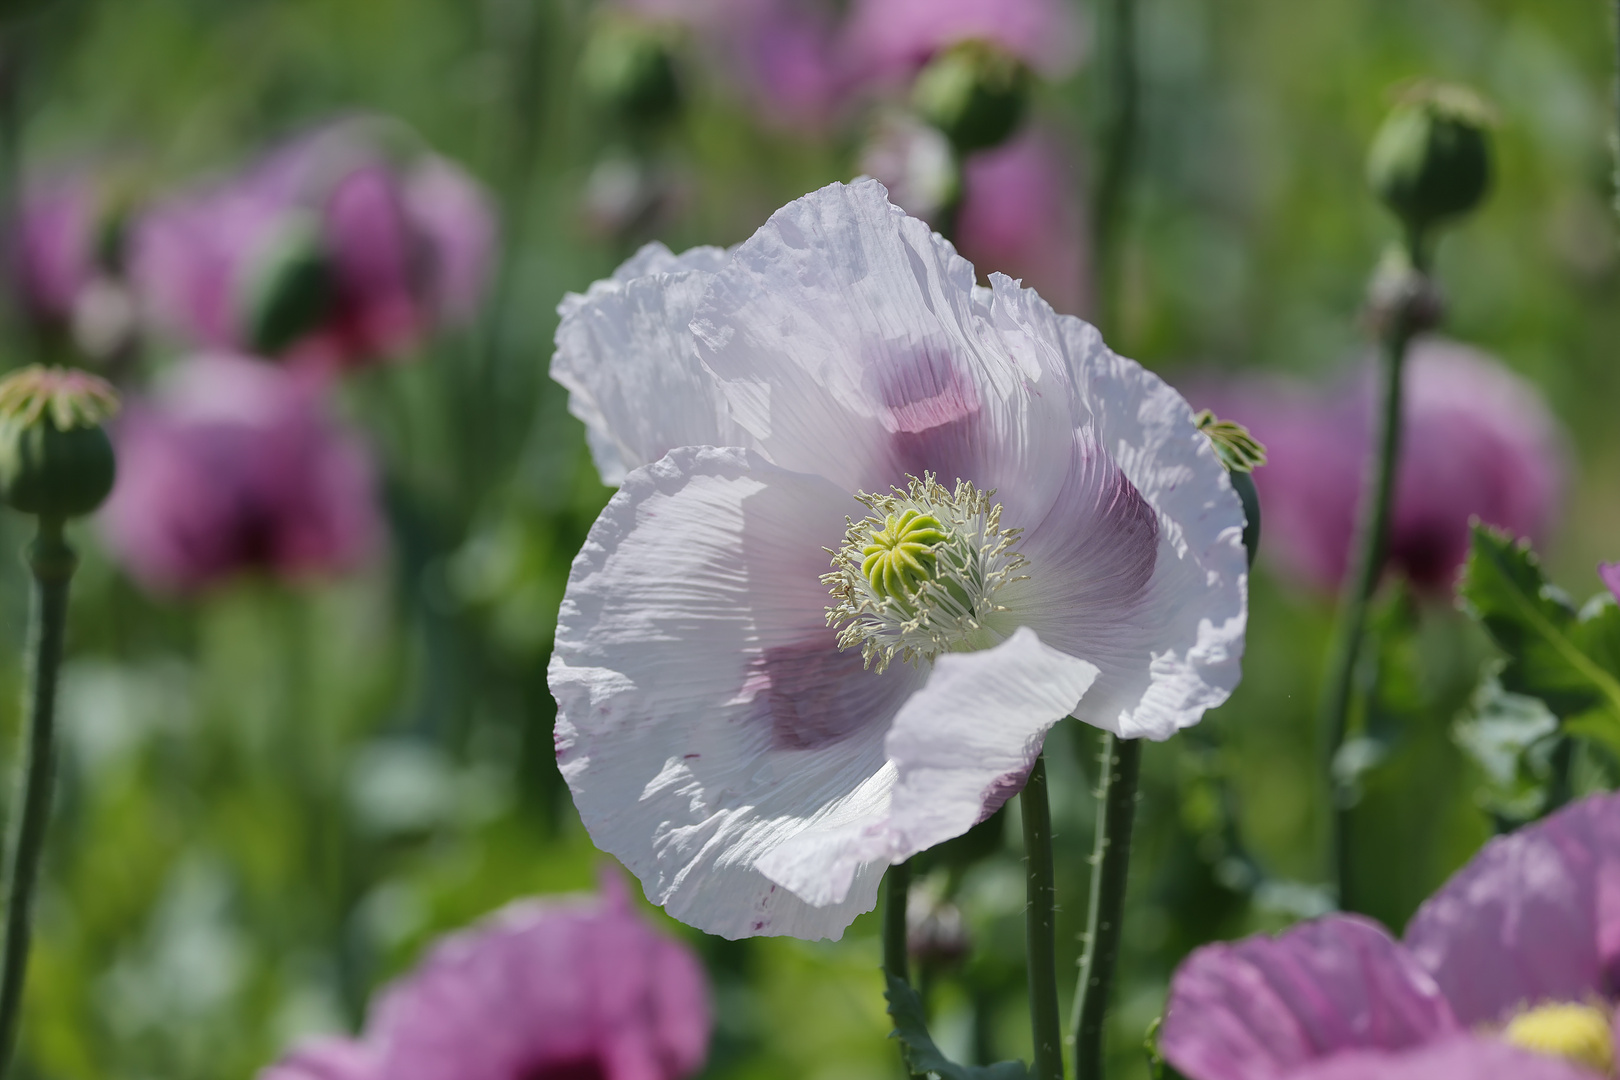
(235, 467)
(1610, 573)
(1477, 440)
(541, 990)
(404, 245)
(888, 40)
(53, 260)
(1507, 971)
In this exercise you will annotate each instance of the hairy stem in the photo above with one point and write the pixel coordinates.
(52, 563)
(1121, 762)
(1040, 925)
(896, 963)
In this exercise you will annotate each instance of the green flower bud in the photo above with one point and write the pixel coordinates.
(974, 92)
(628, 70)
(55, 459)
(1432, 158)
(1241, 453)
(289, 291)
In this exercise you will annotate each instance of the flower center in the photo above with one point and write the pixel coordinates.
(919, 575)
(1580, 1033)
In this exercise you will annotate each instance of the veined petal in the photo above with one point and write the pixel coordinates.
(1534, 917)
(1267, 1006)
(626, 356)
(1466, 1057)
(959, 747)
(1170, 646)
(706, 715)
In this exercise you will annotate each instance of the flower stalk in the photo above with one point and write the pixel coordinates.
(1040, 925)
(1118, 143)
(52, 562)
(1121, 762)
(896, 960)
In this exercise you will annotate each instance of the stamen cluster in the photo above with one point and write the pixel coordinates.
(920, 574)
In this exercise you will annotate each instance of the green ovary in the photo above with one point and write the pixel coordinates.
(899, 557)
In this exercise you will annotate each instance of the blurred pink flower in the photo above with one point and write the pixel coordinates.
(1477, 440)
(1521, 947)
(234, 467)
(53, 260)
(1020, 214)
(408, 240)
(541, 990)
(888, 40)
(1610, 573)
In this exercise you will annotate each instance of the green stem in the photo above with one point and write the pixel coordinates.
(52, 562)
(1118, 149)
(896, 960)
(1121, 762)
(1371, 542)
(1614, 133)
(1040, 925)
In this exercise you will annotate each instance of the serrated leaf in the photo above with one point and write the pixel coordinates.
(918, 1049)
(1511, 737)
(1566, 658)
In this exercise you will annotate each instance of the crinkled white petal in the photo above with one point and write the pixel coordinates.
(851, 342)
(1172, 647)
(958, 748)
(705, 715)
(626, 356)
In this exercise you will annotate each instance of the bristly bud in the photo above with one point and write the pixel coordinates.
(628, 69)
(55, 458)
(975, 92)
(1431, 159)
(1241, 453)
(290, 289)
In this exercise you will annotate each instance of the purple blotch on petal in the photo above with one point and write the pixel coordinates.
(812, 694)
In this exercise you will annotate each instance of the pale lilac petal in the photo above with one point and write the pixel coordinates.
(455, 217)
(628, 360)
(1610, 573)
(705, 714)
(1463, 1058)
(1534, 917)
(1267, 1006)
(851, 342)
(326, 1059)
(1165, 628)
(960, 747)
(889, 39)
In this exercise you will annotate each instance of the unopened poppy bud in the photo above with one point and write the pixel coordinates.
(974, 92)
(628, 70)
(55, 459)
(289, 290)
(1431, 160)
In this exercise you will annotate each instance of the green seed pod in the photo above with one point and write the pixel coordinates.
(55, 458)
(290, 289)
(1241, 453)
(974, 92)
(1431, 160)
(627, 69)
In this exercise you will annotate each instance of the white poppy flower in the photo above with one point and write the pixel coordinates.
(879, 530)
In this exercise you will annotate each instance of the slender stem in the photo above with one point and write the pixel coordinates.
(1371, 541)
(1121, 762)
(896, 959)
(1118, 149)
(1614, 134)
(52, 562)
(1040, 925)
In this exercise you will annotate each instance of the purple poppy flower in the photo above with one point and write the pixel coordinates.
(235, 467)
(889, 40)
(1517, 952)
(542, 990)
(1610, 573)
(406, 244)
(757, 730)
(1477, 440)
(54, 256)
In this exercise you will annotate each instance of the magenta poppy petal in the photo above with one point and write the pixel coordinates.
(1465, 1058)
(1610, 573)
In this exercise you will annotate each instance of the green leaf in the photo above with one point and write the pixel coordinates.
(919, 1051)
(1511, 738)
(1566, 658)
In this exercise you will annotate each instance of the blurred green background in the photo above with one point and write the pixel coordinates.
(272, 797)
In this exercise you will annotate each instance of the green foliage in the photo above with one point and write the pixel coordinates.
(911, 1028)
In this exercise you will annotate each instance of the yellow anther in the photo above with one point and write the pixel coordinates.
(1580, 1033)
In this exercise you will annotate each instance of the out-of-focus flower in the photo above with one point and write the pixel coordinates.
(1431, 159)
(1476, 440)
(1610, 573)
(55, 458)
(914, 161)
(889, 40)
(337, 249)
(235, 467)
(1021, 214)
(1515, 953)
(729, 720)
(542, 990)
